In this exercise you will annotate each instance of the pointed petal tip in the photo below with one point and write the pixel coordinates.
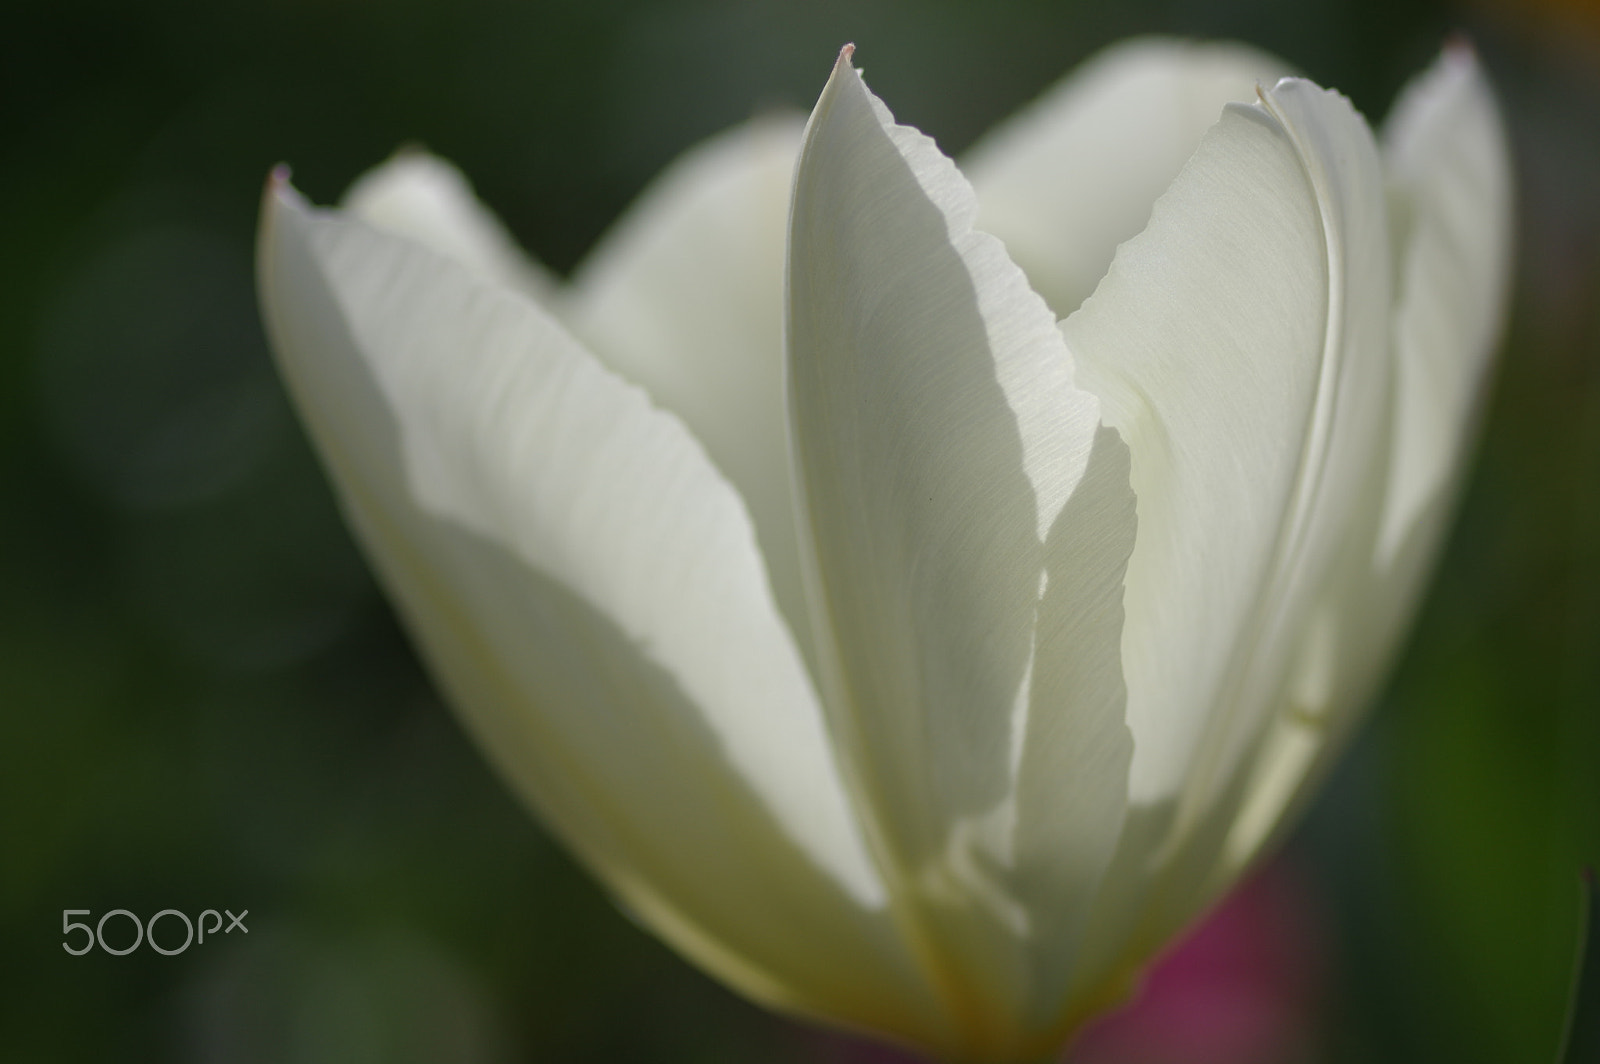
(278, 181)
(1458, 48)
(1459, 55)
(845, 55)
(279, 188)
(276, 192)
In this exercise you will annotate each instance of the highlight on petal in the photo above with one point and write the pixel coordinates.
(684, 297)
(586, 588)
(425, 198)
(1075, 174)
(966, 519)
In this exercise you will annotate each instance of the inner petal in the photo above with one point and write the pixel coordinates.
(685, 298)
(1075, 174)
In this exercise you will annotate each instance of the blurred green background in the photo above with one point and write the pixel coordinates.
(206, 703)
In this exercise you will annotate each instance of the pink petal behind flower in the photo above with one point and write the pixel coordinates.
(1242, 988)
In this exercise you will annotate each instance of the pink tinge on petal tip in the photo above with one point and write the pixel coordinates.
(1459, 46)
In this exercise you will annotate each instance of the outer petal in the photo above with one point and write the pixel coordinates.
(1240, 344)
(968, 518)
(685, 297)
(1217, 342)
(425, 198)
(587, 590)
(1450, 194)
(1450, 179)
(1338, 491)
(1075, 174)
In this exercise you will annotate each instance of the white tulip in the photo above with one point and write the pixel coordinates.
(928, 670)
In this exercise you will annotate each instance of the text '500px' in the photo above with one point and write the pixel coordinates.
(146, 931)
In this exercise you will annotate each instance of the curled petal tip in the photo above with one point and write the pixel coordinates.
(845, 54)
(279, 176)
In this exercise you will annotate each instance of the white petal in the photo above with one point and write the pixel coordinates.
(1450, 180)
(1075, 174)
(587, 590)
(1241, 343)
(685, 298)
(970, 519)
(1450, 194)
(425, 198)
(1338, 498)
(1223, 342)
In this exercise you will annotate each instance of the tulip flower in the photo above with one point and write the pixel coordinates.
(917, 596)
